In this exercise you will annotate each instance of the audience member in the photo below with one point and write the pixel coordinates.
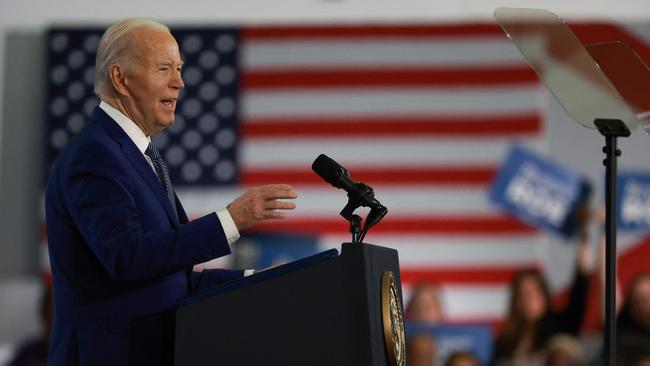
(424, 305)
(633, 326)
(423, 308)
(421, 350)
(633, 314)
(531, 322)
(462, 358)
(564, 350)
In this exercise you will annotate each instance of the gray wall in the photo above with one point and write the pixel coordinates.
(21, 153)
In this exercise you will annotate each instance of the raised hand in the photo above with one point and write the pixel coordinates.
(261, 203)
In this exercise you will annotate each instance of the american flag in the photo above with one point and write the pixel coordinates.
(423, 114)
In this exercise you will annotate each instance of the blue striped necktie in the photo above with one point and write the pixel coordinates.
(161, 171)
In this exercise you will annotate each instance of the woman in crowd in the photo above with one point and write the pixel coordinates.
(531, 322)
(424, 306)
(421, 350)
(462, 358)
(564, 350)
(633, 339)
(632, 314)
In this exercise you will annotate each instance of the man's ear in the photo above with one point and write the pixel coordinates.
(118, 78)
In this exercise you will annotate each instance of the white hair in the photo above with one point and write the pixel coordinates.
(114, 48)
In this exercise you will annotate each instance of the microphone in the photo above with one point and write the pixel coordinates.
(333, 173)
(360, 194)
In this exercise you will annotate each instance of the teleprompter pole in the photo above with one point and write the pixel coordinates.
(611, 129)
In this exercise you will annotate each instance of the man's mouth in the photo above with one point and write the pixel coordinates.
(169, 103)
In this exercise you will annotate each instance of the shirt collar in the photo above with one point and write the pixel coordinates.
(130, 128)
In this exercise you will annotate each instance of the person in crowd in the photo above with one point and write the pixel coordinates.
(462, 358)
(564, 350)
(633, 313)
(531, 321)
(34, 351)
(633, 323)
(424, 306)
(421, 350)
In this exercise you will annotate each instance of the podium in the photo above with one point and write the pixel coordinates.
(328, 309)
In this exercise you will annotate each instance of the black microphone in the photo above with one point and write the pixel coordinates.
(360, 194)
(333, 173)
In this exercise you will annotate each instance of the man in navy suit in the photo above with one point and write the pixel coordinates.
(121, 246)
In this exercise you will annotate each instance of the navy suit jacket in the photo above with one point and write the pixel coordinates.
(119, 255)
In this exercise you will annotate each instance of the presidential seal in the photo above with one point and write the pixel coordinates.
(393, 319)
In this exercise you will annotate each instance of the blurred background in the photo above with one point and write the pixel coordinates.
(422, 100)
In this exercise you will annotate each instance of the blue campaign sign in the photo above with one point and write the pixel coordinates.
(476, 339)
(539, 191)
(633, 203)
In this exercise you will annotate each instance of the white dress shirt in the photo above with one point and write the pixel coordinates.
(142, 141)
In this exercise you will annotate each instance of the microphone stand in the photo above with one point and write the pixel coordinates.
(355, 228)
(377, 212)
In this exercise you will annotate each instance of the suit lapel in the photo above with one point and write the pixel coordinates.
(136, 158)
(144, 169)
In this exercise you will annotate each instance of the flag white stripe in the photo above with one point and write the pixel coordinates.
(449, 251)
(385, 53)
(379, 152)
(402, 201)
(403, 102)
(327, 201)
(467, 303)
(464, 303)
(199, 201)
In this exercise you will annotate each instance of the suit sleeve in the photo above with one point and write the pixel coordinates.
(99, 200)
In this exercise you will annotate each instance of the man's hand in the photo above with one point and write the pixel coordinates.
(261, 203)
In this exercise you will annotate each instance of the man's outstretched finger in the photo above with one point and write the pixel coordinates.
(280, 205)
(274, 195)
(274, 215)
(275, 187)
(278, 191)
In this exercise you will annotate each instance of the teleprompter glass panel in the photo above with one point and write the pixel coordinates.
(629, 75)
(565, 66)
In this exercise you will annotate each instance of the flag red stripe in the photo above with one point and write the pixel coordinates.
(306, 32)
(462, 275)
(405, 176)
(465, 225)
(381, 77)
(382, 126)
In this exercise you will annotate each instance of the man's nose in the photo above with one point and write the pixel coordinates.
(177, 81)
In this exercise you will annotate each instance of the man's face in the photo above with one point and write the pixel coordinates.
(153, 81)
